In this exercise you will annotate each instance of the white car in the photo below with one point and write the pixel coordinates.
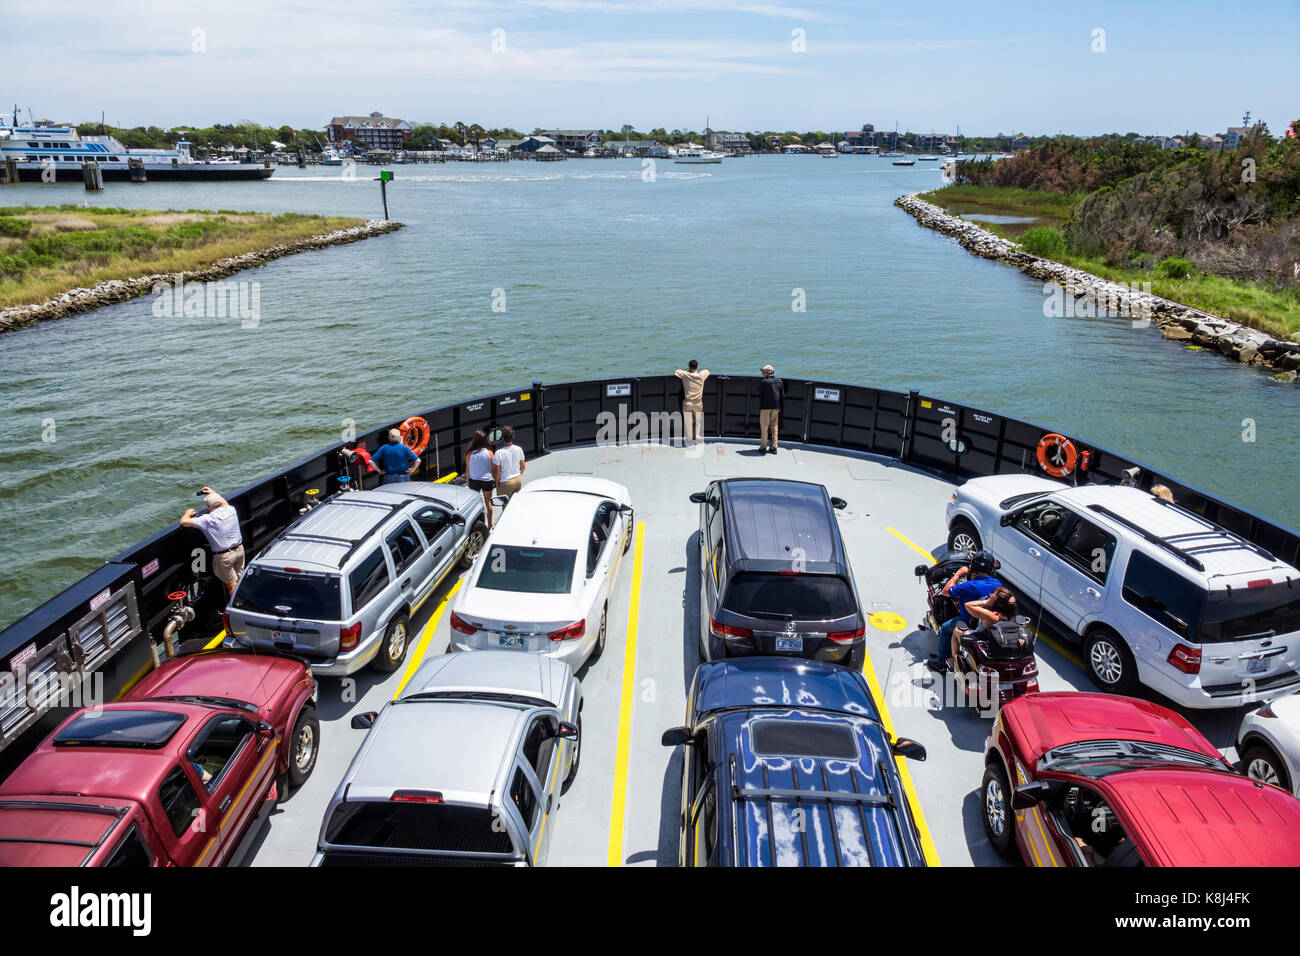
(543, 581)
(1157, 595)
(1268, 743)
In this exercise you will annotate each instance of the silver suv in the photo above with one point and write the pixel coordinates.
(1159, 595)
(340, 585)
(466, 767)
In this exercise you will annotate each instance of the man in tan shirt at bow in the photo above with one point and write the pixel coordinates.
(693, 402)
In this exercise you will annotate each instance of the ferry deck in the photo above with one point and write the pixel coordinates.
(622, 808)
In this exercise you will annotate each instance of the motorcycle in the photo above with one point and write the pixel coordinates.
(996, 658)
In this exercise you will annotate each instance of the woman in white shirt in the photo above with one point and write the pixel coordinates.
(480, 469)
(510, 465)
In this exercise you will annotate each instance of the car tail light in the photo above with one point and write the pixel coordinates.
(350, 637)
(1186, 659)
(1032, 686)
(576, 629)
(415, 796)
(990, 672)
(1259, 583)
(840, 637)
(727, 630)
(292, 570)
(458, 623)
(1030, 669)
(225, 622)
(789, 571)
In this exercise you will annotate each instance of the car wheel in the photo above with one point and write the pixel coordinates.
(999, 819)
(393, 649)
(473, 545)
(577, 754)
(600, 635)
(962, 536)
(1260, 763)
(304, 745)
(1110, 663)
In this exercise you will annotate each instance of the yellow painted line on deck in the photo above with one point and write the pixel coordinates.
(446, 478)
(918, 815)
(215, 641)
(417, 656)
(1065, 652)
(912, 544)
(619, 807)
(139, 676)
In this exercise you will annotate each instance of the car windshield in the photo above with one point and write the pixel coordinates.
(800, 597)
(417, 826)
(530, 570)
(1097, 758)
(1242, 613)
(306, 595)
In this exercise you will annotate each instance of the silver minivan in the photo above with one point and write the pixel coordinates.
(339, 586)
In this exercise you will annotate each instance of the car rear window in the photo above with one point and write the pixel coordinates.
(307, 595)
(803, 597)
(417, 826)
(533, 570)
(1163, 595)
(1243, 613)
(795, 738)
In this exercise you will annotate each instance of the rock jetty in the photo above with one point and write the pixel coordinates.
(119, 290)
(1176, 321)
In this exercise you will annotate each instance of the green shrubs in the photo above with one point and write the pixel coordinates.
(13, 226)
(1044, 241)
(1172, 268)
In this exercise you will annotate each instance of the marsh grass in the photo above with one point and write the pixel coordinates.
(67, 247)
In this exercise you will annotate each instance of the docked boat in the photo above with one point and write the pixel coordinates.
(904, 162)
(331, 157)
(927, 159)
(891, 456)
(45, 153)
(693, 153)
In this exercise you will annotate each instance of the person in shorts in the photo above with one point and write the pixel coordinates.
(509, 464)
(221, 527)
(480, 469)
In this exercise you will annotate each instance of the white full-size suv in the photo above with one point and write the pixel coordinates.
(1158, 595)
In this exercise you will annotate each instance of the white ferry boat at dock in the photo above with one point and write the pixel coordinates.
(46, 153)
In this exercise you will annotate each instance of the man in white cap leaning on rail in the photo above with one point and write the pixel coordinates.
(221, 527)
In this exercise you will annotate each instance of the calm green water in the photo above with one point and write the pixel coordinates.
(603, 273)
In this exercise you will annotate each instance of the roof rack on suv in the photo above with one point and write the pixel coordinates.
(1148, 536)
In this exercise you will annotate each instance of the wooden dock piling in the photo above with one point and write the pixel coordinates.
(92, 175)
(136, 171)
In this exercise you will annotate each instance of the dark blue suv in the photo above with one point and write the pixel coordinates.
(787, 764)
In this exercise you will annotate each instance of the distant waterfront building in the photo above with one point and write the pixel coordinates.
(376, 130)
(861, 138)
(531, 144)
(1235, 134)
(578, 140)
(733, 141)
(1212, 143)
(933, 142)
(1020, 142)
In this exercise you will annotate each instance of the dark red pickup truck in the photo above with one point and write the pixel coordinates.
(174, 774)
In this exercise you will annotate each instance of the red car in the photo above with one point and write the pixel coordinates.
(1102, 780)
(174, 774)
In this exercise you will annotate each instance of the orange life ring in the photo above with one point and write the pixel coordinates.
(1063, 455)
(415, 434)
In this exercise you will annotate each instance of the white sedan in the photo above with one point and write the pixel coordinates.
(543, 581)
(1268, 743)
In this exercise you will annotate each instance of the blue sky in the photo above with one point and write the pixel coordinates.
(990, 67)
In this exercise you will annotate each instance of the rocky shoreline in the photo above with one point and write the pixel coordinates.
(1176, 321)
(119, 290)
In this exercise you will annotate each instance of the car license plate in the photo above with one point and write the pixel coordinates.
(510, 640)
(1257, 666)
(789, 643)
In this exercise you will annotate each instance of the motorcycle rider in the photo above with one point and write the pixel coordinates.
(979, 584)
(998, 606)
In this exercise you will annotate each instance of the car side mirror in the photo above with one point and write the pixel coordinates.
(676, 736)
(698, 497)
(625, 509)
(1030, 795)
(839, 504)
(906, 747)
(364, 721)
(265, 730)
(458, 519)
(1010, 518)
(567, 730)
(920, 570)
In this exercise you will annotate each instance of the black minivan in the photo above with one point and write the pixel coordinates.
(774, 575)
